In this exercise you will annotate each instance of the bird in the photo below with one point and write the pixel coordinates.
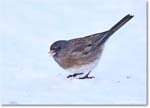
(81, 55)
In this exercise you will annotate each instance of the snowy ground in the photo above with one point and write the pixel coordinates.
(31, 76)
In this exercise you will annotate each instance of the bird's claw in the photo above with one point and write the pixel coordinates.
(74, 75)
(87, 77)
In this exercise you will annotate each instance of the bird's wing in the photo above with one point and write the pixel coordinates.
(80, 47)
(83, 46)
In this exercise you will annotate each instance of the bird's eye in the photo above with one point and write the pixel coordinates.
(59, 48)
(89, 45)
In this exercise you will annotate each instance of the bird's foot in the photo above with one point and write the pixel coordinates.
(74, 75)
(87, 76)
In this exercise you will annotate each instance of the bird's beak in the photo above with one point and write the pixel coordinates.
(52, 52)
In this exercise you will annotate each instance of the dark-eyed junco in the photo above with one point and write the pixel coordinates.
(81, 55)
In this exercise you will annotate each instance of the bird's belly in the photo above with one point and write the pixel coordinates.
(84, 68)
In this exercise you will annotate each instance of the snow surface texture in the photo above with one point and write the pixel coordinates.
(31, 76)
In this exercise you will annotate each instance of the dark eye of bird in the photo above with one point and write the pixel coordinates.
(59, 48)
(89, 45)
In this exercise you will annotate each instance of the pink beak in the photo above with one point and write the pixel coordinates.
(52, 52)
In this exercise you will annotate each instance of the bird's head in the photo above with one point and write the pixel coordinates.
(57, 46)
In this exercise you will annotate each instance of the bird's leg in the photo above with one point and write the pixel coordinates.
(74, 75)
(87, 76)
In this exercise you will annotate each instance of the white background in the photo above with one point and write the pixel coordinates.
(30, 76)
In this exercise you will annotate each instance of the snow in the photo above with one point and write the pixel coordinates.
(30, 76)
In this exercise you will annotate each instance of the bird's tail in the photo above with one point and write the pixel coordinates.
(120, 24)
(115, 28)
